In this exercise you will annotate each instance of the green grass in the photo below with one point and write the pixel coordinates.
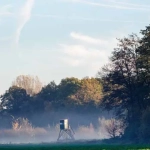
(72, 147)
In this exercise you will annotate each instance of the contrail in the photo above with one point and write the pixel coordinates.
(119, 5)
(24, 17)
(130, 4)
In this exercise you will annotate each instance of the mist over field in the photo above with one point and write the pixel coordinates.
(85, 126)
(31, 113)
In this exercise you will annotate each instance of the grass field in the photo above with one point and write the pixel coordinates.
(71, 147)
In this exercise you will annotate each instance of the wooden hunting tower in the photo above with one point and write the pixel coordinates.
(66, 133)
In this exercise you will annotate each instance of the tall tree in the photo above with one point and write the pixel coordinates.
(15, 102)
(90, 91)
(31, 84)
(121, 90)
(143, 64)
(68, 86)
(49, 92)
(48, 96)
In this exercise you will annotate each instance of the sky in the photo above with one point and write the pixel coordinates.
(55, 39)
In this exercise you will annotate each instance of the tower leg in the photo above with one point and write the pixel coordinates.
(66, 132)
(60, 134)
(70, 134)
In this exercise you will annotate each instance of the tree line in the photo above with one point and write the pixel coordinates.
(28, 98)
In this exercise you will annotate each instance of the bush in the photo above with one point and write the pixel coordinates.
(111, 127)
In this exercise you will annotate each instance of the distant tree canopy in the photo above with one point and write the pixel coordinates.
(90, 91)
(49, 92)
(31, 84)
(71, 94)
(15, 101)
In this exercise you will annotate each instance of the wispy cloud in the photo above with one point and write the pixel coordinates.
(24, 17)
(128, 4)
(65, 17)
(112, 4)
(6, 10)
(81, 51)
(86, 18)
(82, 54)
(87, 39)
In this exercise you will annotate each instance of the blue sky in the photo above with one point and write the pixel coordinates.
(54, 39)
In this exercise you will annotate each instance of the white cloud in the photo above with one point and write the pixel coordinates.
(82, 51)
(87, 39)
(89, 57)
(81, 56)
(72, 62)
(74, 50)
(24, 17)
(86, 58)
